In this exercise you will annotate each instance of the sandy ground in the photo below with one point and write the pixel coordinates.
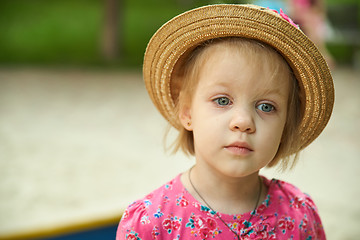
(78, 145)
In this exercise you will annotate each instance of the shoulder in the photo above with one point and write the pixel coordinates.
(287, 192)
(142, 217)
(295, 210)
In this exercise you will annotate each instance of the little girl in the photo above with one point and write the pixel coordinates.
(246, 89)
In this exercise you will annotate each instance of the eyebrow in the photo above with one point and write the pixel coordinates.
(274, 91)
(277, 91)
(265, 91)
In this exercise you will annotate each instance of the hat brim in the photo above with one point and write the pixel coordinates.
(188, 30)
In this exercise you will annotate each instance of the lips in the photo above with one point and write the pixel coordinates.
(239, 148)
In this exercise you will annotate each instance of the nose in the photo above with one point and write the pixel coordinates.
(243, 121)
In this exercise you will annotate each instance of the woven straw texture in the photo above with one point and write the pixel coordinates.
(184, 32)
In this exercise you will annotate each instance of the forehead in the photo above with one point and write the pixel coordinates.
(235, 60)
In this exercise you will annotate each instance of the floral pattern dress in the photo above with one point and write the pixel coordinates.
(171, 212)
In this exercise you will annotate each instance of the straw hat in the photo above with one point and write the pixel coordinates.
(183, 33)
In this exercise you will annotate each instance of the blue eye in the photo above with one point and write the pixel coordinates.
(266, 107)
(222, 101)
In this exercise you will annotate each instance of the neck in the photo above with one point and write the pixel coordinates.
(224, 194)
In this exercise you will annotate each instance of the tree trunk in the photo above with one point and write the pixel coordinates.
(110, 32)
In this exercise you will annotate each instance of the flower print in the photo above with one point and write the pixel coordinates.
(166, 199)
(155, 232)
(132, 236)
(304, 223)
(126, 214)
(158, 213)
(266, 236)
(204, 233)
(197, 205)
(147, 203)
(171, 223)
(261, 208)
(262, 235)
(182, 201)
(286, 17)
(290, 225)
(281, 200)
(211, 223)
(204, 228)
(272, 237)
(169, 185)
(176, 223)
(297, 202)
(267, 200)
(149, 196)
(262, 231)
(286, 223)
(237, 217)
(198, 221)
(234, 225)
(319, 231)
(288, 218)
(246, 224)
(167, 224)
(191, 224)
(243, 227)
(203, 208)
(145, 219)
(253, 235)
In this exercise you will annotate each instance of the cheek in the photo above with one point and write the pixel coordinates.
(278, 133)
(206, 129)
(270, 146)
(273, 134)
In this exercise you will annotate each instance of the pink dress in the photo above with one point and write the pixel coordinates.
(171, 212)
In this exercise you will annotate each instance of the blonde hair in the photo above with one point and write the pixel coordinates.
(188, 71)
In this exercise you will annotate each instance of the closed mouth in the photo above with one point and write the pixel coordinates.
(239, 148)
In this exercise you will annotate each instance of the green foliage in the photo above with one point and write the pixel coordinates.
(342, 1)
(140, 23)
(40, 31)
(69, 32)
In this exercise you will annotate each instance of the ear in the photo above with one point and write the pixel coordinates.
(185, 117)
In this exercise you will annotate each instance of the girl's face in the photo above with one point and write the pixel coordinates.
(237, 113)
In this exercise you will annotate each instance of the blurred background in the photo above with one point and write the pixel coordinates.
(80, 138)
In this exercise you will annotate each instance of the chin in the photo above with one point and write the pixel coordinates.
(240, 173)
